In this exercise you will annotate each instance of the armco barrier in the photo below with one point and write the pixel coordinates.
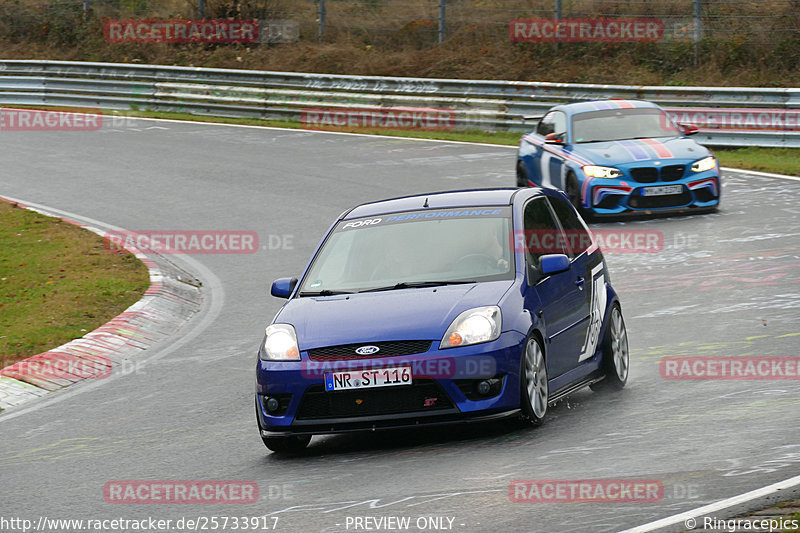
(755, 116)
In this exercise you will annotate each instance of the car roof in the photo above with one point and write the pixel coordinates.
(435, 200)
(599, 105)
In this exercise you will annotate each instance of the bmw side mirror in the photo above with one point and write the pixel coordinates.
(689, 129)
(554, 263)
(554, 138)
(283, 287)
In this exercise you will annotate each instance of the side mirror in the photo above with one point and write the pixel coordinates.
(554, 138)
(554, 263)
(689, 129)
(283, 287)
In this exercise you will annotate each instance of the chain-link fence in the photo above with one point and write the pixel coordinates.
(424, 22)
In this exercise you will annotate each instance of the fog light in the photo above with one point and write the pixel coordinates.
(272, 405)
(484, 387)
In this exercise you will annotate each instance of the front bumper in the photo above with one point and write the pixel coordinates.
(444, 390)
(624, 196)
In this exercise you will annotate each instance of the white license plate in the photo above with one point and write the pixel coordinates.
(367, 379)
(662, 190)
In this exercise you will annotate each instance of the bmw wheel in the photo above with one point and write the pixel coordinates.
(522, 175)
(573, 192)
(535, 390)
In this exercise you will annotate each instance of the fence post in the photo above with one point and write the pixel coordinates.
(201, 9)
(442, 20)
(87, 5)
(698, 20)
(558, 10)
(320, 19)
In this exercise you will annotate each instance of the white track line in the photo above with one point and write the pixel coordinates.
(762, 174)
(714, 507)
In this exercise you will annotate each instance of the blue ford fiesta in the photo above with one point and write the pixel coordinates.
(440, 308)
(619, 157)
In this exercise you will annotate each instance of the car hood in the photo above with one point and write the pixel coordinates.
(404, 314)
(638, 150)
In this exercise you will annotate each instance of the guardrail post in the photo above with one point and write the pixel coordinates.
(442, 20)
(320, 19)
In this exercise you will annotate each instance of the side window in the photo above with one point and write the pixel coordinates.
(578, 237)
(553, 122)
(541, 234)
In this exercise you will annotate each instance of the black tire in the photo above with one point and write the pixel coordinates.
(293, 444)
(535, 391)
(573, 192)
(522, 175)
(616, 358)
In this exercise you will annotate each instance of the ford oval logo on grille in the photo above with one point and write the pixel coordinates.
(367, 350)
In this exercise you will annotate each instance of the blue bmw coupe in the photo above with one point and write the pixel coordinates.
(436, 309)
(619, 157)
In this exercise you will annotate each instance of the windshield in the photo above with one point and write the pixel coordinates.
(620, 124)
(422, 248)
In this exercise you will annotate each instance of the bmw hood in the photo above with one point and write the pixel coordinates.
(404, 314)
(678, 149)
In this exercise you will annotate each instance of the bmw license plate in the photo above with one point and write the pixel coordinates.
(662, 190)
(366, 379)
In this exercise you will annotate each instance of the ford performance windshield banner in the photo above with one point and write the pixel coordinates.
(417, 216)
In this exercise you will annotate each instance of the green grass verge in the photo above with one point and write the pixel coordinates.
(57, 282)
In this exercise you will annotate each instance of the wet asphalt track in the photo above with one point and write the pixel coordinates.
(725, 284)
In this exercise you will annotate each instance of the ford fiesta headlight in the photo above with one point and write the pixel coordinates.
(280, 343)
(707, 163)
(473, 326)
(594, 171)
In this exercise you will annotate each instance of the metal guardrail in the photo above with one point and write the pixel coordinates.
(733, 116)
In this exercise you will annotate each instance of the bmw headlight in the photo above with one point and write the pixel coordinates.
(280, 343)
(473, 326)
(707, 163)
(594, 171)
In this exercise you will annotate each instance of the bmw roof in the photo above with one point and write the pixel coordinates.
(436, 200)
(600, 105)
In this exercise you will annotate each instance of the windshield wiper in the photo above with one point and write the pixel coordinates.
(324, 292)
(417, 284)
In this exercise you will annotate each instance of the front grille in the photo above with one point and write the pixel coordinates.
(645, 174)
(673, 172)
(656, 202)
(421, 396)
(386, 349)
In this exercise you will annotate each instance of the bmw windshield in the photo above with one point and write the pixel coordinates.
(413, 249)
(621, 124)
